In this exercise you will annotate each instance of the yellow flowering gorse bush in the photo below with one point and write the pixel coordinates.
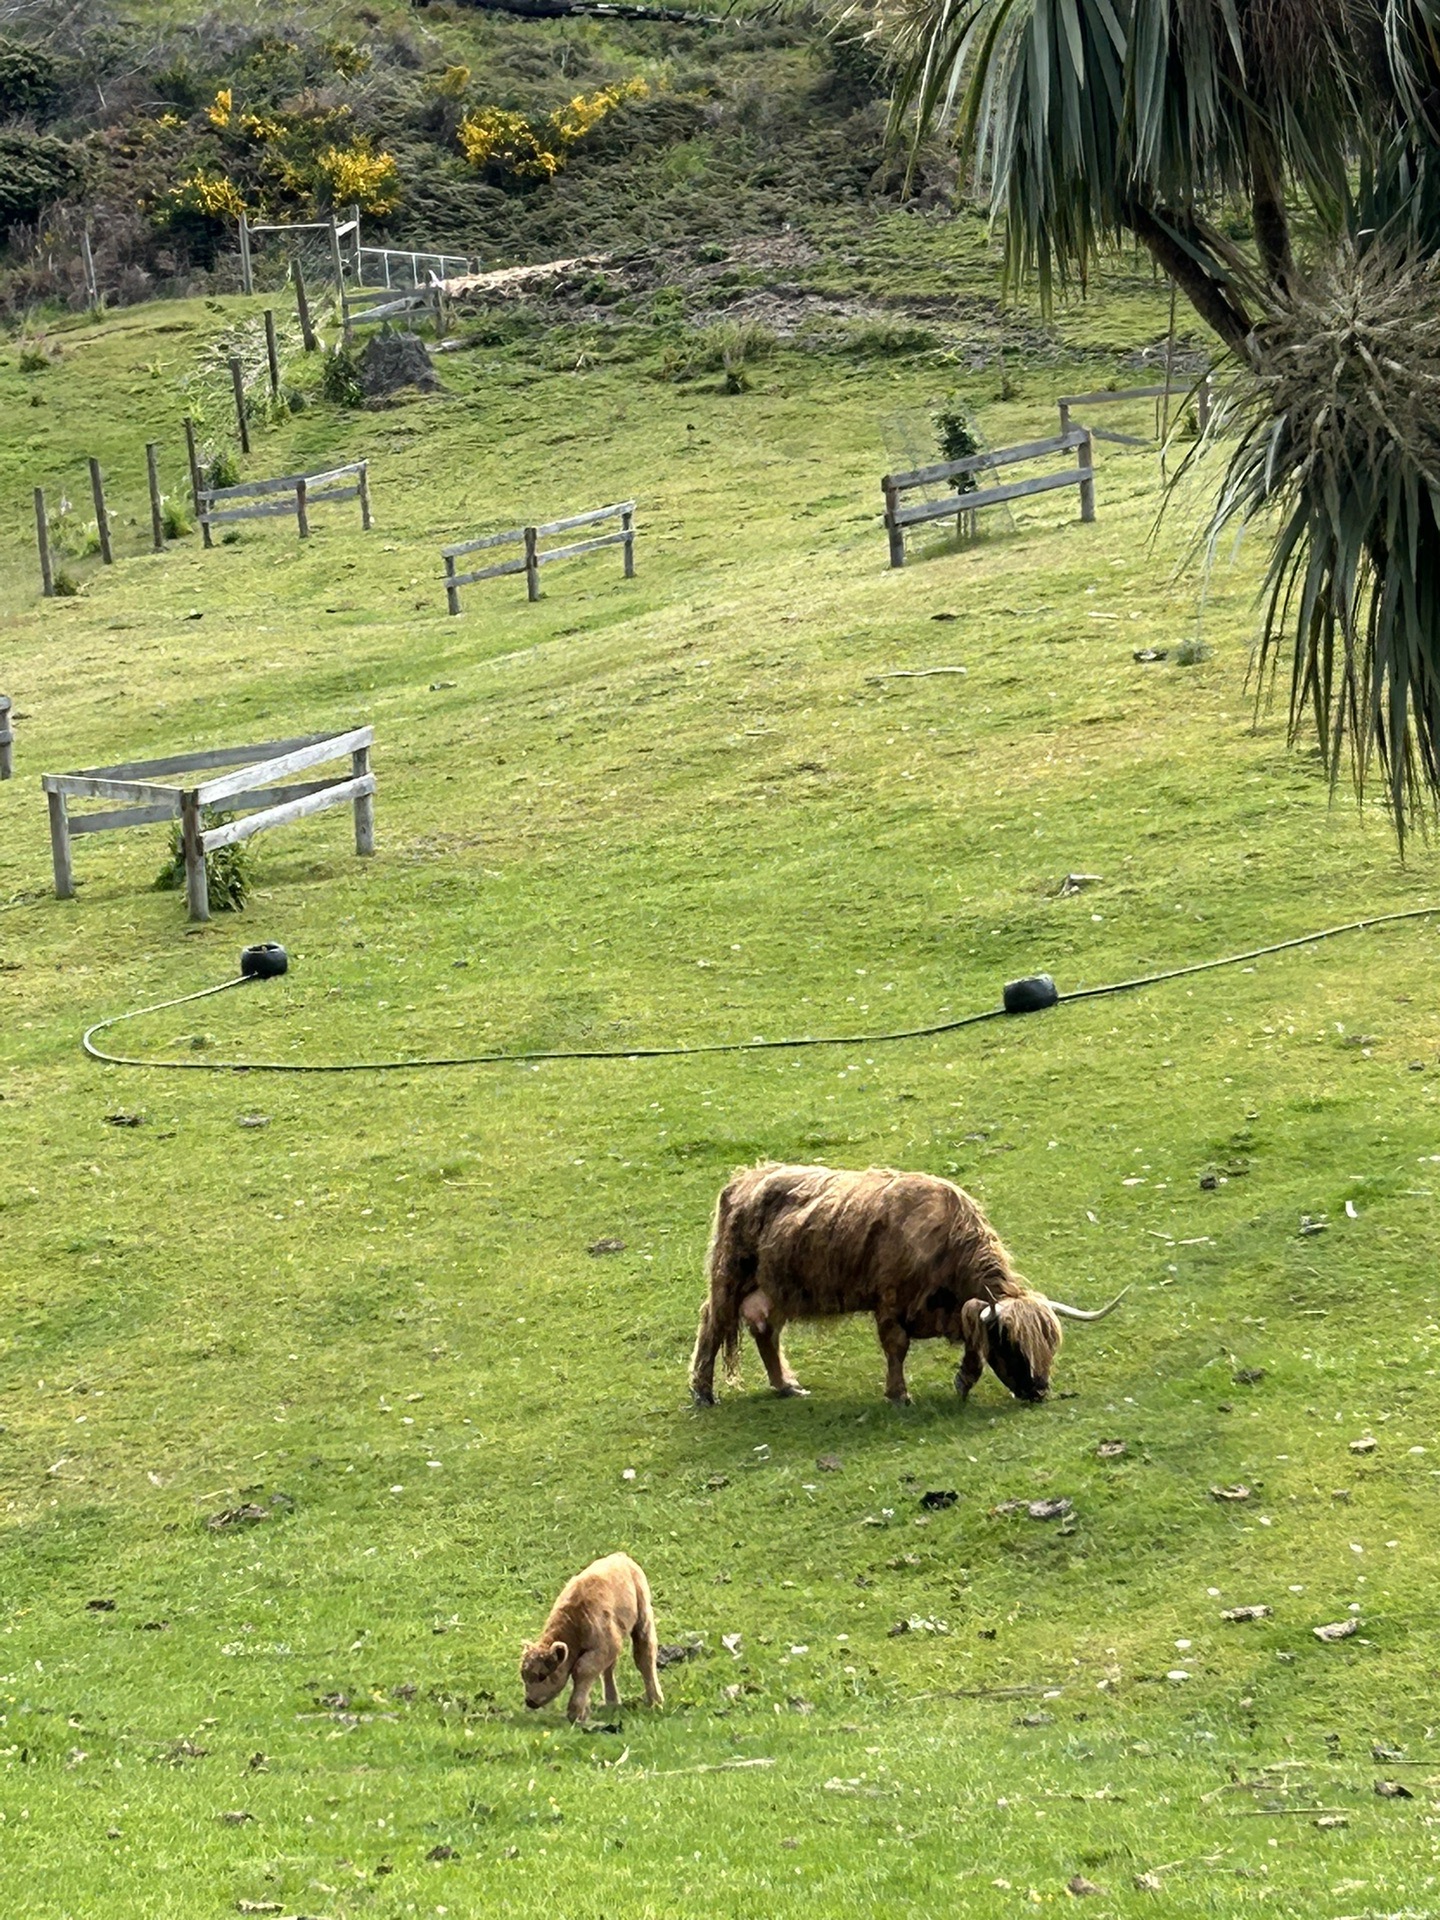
(493, 136)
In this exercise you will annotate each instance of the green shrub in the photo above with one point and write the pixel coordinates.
(65, 584)
(1190, 653)
(175, 523)
(887, 338)
(223, 471)
(227, 870)
(340, 378)
(36, 354)
(726, 347)
(957, 439)
(28, 78)
(35, 170)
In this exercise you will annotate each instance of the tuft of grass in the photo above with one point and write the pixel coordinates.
(175, 522)
(340, 378)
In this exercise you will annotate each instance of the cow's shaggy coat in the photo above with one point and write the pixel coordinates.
(582, 1640)
(812, 1243)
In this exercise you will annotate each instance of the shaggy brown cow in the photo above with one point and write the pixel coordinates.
(582, 1639)
(812, 1243)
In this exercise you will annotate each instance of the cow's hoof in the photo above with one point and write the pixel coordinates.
(701, 1399)
(899, 1399)
(792, 1390)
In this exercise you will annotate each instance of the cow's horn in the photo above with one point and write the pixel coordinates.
(1078, 1313)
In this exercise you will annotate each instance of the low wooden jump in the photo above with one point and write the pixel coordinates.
(1081, 475)
(533, 558)
(7, 739)
(1069, 401)
(304, 491)
(370, 306)
(260, 789)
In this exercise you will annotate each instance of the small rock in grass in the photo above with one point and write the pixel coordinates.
(1149, 1883)
(674, 1654)
(442, 1853)
(944, 616)
(599, 1247)
(1248, 1376)
(1110, 1449)
(253, 1120)
(1308, 1226)
(124, 1119)
(1048, 1509)
(939, 1499)
(1329, 1821)
(510, 1853)
(829, 1463)
(1340, 1493)
(99, 1606)
(1379, 1751)
(1147, 656)
(1080, 1886)
(1337, 1630)
(1393, 1790)
(1036, 1720)
(1230, 1493)
(717, 1480)
(1247, 1613)
(1366, 1444)
(258, 1906)
(236, 1818)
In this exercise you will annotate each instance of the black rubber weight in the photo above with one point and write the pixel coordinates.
(684, 1052)
(267, 961)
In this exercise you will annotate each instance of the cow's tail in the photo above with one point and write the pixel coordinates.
(719, 1331)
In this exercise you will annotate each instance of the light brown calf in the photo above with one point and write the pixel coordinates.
(587, 1628)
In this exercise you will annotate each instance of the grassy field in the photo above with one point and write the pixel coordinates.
(677, 809)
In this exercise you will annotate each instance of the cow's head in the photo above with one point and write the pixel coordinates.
(544, 1671)
(1018, 1337)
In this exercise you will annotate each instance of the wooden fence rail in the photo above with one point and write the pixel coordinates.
(7, 739)
(533, 557)
(261, 790)
(1174, 391)
(1081, 475)
(306, 490)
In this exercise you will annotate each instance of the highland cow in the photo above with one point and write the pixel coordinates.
(582, 1639)
(813, 1243)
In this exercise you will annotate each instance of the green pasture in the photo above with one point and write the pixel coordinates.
(679, 809)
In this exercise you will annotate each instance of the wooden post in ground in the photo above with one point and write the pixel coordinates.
(157, 519)
(237, 380)
(272, 353)
(893, 529)
(364, 804)
(7, 764)
(302, 307)
(195, 482)
(60, 847)
(300, 514)
(627, 527)
(92, 285)
(102, 522)
(339, 264)
(1085, 460)
(532, 566)
(247, 278)
(1064, 417)
(42, 538)
(365, 495)
(197, 893)
(452, 592)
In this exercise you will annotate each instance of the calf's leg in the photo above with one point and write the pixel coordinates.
(642, 1642)
(612, 1697)
(970, 1369)
(585, 1673)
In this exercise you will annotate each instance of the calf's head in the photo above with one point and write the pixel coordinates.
(544, 1671)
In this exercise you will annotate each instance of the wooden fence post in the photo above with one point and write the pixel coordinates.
(335, 256)
(247, 278)
(157, 521)
(7, 764)
(302, 306)
(627, 527)
(452, 592)
(195, 482)
(364, 804)
(532, 565)
(1085, 460)
(102, 522)
(272, 353)
(365, 495)
(60, 847)
(1064, 417)
(92, 285)
(895, 531)
(197, 893)
(42, 537)
(237, 380)
(300, 514)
